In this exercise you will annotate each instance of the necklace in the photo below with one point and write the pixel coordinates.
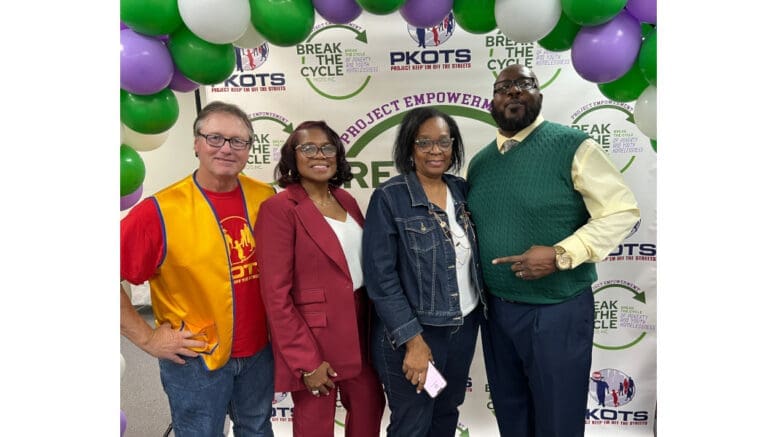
(325, 202)
(460, 244)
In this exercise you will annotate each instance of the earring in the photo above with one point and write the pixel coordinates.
(412, 163)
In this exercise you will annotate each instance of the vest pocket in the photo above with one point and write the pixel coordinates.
(204, 332)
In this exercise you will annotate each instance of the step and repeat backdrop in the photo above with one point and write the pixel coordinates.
(363, 76)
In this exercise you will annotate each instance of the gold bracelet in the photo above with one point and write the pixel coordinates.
(306, 374)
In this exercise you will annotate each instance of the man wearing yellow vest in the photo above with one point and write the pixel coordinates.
(193, 241)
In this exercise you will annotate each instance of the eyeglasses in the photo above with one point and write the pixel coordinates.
(523, 84)
(425, 144)
(216, 140)
(310, 150)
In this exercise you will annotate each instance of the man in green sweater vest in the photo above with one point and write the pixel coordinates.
(547, 204)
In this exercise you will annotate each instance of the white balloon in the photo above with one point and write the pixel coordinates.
(216, 21)
(250, 39)
(123, 365)
(142, 142)
(526, 21)
(645, 112)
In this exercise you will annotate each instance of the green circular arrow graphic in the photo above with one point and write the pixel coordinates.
(360, 36)
(637, 296)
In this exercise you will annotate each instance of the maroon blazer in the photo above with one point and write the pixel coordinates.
(307, 289)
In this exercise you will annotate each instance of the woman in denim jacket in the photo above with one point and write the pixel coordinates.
(422, 272)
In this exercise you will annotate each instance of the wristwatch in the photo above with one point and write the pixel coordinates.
(563, 260)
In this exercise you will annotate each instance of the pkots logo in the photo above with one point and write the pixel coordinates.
(281, 413)
(246, 79)
(429, 57)
(612, 390)
(633, 250)
(251, 59)
(435, 35)
(279, 397)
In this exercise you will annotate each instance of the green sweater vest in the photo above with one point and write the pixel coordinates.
(523, 198)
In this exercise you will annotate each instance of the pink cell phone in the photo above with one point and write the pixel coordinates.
(434, 381)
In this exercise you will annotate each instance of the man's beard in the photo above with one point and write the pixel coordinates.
(515, 124)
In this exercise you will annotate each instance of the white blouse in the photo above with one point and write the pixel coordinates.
(349, 233)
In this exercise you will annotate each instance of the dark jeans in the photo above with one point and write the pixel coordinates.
(200, 399)
(418, 415)
(538, 359)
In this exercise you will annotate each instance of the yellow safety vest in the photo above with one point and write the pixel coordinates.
(193, 287)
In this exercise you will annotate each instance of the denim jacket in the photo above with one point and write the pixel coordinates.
(408, 260)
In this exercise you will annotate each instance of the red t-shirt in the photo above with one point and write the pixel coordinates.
(142, 248)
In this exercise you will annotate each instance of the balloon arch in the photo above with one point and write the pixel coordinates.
(179, 45)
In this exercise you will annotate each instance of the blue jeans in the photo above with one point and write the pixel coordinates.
(200, 399)
(418, 415)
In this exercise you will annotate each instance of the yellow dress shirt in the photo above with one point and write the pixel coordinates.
(609, 201)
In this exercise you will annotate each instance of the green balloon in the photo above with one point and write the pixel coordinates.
(648, 58)
(562, 36)
(199, 60)
(283, 22)
(592, 12)
(626, 88)
(132, 170)
(151, 17)
(149, 114)
(475, 16)
(647, 28)
(381, 7)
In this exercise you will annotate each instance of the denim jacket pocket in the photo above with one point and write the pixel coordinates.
(421, 235)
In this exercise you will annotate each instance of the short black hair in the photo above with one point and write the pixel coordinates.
(408, 129)
(286, 172)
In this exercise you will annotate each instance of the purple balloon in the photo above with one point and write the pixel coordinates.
(146, 66)
(130, 199)
(123, 423)
(338, 11)
(122, 26)
(643, 10)
(182, 83)
(606, 52)
(425, 13)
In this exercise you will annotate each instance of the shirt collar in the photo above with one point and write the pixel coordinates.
(520, 135)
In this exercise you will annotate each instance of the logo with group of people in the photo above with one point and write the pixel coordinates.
(251, 59)
(611, 388)
(435, 35)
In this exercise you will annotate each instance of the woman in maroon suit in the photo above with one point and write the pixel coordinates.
(309, 237)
